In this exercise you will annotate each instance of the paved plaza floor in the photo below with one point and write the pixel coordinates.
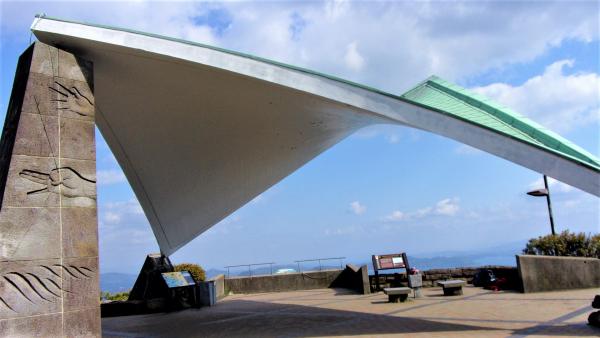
(338, 313)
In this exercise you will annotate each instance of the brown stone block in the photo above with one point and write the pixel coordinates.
(77, 139)
(29, 183)
(29, 233)
(37, 135)
(76, 99)
(80, 232)
(45, 60)
(82, 290)
(79, 183)
(74, 68)
(38, 326)
(30, 288)
(83, 323)
(40, 95)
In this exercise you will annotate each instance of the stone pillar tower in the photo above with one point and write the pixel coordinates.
(48, 218)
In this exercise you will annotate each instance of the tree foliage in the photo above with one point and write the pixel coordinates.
(196, 270)
(565, 244)
(105, 295)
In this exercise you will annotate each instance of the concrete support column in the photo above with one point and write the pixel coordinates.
(48, 218)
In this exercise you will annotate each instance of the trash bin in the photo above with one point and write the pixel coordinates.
(207, 295)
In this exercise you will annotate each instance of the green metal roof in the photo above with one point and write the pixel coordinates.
(454, 100)
(439, 95)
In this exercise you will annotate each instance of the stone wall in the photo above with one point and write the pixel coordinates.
(48, 219)
(549, 273)
(431, 276)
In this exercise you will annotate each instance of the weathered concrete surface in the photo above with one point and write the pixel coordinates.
(548, 273)
(219, 281)
(351, 277)
(48, 219)
(149, 283)
(282, 282)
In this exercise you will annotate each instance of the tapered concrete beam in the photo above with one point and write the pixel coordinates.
(200, 131)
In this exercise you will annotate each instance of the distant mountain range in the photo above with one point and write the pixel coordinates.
(499, 255)
(116, 282)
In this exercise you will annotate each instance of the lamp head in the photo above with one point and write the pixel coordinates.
(538, 192)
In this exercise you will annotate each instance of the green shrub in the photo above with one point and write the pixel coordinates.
(565, 244)
(195, 269)
(105, 295)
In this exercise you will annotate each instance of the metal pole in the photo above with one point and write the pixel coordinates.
(549, 205)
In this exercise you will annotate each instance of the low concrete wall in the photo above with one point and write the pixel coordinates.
(548, 273)
(219, 286)
(282, 282)
(351, 277)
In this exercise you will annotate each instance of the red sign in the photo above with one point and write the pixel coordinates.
(383, 262)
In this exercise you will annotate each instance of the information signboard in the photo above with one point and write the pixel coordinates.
(394, 261)
(178, 279)
(387, 262)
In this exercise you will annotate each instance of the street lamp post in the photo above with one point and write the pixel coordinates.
(545, 192)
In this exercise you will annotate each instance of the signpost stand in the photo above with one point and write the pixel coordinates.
(388, 262)
(182, 289)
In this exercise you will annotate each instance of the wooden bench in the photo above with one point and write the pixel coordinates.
(452, 287)
(396, 295)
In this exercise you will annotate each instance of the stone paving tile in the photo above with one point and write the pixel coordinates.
(335, 313)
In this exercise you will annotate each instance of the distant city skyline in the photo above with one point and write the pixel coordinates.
(385, 188)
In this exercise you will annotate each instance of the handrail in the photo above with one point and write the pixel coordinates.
(249, 267)
(319, 260)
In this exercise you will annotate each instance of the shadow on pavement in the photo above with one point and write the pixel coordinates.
(244, 318)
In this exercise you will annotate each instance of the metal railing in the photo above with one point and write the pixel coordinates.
(319, 260)
(249, 267)
(270, 264)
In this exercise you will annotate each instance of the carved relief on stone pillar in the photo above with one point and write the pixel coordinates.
(48, 217)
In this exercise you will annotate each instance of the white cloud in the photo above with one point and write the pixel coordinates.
(353, 59)
(121, 213)
(445, 207)
(556, 100)
(455, 40)
(396, 215)
(112, 217)
(554, 185)
(123, 223)
(106, 177)
(358, 208)
(343, 231)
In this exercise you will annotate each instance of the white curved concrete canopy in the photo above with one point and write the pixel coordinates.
(200, 131)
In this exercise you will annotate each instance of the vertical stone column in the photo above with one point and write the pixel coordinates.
(48, 219)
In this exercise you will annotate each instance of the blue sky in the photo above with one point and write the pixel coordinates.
(384, 189)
